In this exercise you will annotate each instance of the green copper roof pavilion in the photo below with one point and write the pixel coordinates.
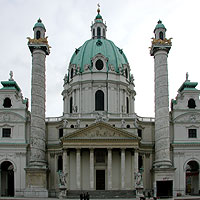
(39, 24)
(187, 85)
(10, 85)
(160, 25)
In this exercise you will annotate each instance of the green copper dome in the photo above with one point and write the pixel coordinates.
(98, 16)
(39, 24)
(160, 25)
(84, 54)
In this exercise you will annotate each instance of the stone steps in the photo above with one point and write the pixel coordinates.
(102, 194)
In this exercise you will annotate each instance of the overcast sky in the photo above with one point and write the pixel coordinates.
(130, 25)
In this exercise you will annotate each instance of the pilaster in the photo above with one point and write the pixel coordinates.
(109, 169)
(78, 169)
(92, 169)
(122, 169)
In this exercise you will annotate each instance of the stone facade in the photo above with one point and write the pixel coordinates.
(99, 143)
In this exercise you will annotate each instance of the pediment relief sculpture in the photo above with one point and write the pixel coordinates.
(10, 117)
(188, 117)
(101, 131)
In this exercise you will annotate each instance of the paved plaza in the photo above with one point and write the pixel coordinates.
(175, 198)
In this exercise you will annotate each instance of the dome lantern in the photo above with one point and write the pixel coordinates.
(98, 28)
(160, 30)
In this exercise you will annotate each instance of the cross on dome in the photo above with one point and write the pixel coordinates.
(98, 9)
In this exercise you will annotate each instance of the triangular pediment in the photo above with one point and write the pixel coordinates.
(100, 130)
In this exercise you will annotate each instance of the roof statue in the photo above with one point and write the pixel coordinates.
(187, 75)
(11, 76)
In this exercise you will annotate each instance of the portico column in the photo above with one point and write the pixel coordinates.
(136, 161)
(78, 169)
(64, 161)
(66, 166)
(109, 169)
(133, 168)
(122, 169)
(0, 182)
(92, 169)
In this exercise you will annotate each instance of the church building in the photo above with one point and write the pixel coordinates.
(99, 143)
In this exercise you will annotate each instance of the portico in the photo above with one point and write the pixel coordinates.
(100, 157)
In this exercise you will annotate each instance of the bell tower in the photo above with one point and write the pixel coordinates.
(162, 167)
(36, 172)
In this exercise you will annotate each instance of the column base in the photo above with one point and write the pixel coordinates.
(36, 182)
(163, 178)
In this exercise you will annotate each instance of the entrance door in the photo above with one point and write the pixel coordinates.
(164, 188)
(192, 178)
(100, 179)
(7, 179)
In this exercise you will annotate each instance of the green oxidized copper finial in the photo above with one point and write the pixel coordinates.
(39, 20)
(98, 17)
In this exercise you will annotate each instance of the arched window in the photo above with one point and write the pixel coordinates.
(104, 34)
(70, 104)
(72, 126)
(98, 32)
(161, 35)
(60, 163)
(127, 105)
(128, 126)
(99, 100)
(99, 64)
(191, 103)
(93, 33)
(7, 103)
(38, 35)
(72, 72)
(126, 73)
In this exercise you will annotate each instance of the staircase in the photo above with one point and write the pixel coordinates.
(102, 194)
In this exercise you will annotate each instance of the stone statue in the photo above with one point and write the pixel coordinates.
(187, 76)
(11, 76)
(138, 179)
(65, 78)
(62, 178)
(65, 123)
(62, 184)
(78, 123)
(139, 184)
(123, 123)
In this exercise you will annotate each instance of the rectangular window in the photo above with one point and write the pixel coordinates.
(6, 132)
(60, 132)
(140, 133)
(100, 157)
(192, 133)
